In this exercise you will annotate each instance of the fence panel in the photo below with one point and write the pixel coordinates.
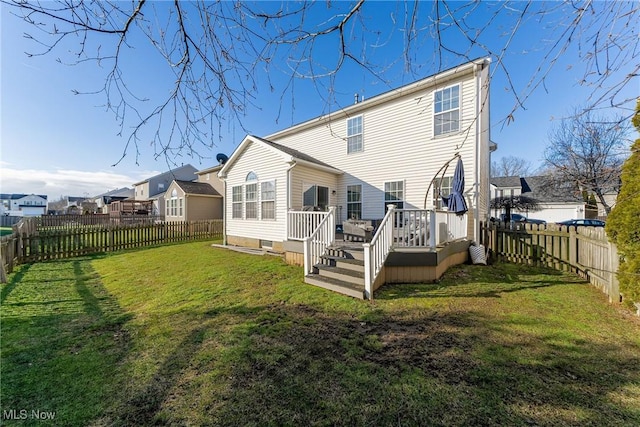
(33, 241)
(585, 251)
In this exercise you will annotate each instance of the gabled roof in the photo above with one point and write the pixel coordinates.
(288, 155)
(546, 190)
(211, 169)
(8, 196)
(506, 182)
(120, 192)
(169, 173)
(199, 188)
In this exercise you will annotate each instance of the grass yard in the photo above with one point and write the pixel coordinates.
(194, 335)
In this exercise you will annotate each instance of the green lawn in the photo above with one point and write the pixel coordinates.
(190, 334)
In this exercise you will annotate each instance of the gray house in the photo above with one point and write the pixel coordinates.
(153, 189)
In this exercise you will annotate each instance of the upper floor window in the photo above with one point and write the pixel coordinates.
(161, 186)
(354, 135)
(446, 110)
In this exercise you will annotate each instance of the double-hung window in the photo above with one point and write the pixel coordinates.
(236, 203)
(394, 194)
(251, 201)
(446, 110)
(268, 200)
(354, 135)
(354, 201)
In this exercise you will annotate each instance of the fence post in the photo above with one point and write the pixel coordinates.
(573, 249)
(614, 264)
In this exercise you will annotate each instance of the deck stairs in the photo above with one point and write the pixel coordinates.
(341, 270)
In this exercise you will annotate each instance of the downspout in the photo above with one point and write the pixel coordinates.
(224, 213)
(476, 213)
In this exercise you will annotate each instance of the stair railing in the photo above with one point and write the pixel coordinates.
(375, 253)
(317, 243)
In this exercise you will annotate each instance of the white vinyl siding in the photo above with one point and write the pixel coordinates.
(268, 166)
(446, 110)
(399, 144)
(354, 135)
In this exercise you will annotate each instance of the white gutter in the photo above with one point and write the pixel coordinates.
(476, 213)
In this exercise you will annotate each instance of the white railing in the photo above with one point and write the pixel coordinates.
(319, 240)
(375, 253)
(449, 227)
(413, 228)
(301, 224)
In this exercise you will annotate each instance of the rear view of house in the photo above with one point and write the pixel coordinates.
(393, 149)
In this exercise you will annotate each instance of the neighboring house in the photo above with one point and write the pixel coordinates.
(23, 204)
(74, 205)
(192, 201)
(103, 200)
(384, 151)
(154, 188)
(558, 202)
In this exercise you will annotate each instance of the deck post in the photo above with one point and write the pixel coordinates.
(306, 244)
(368, 285)
(432, 228)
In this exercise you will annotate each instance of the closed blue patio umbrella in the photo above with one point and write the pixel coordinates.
(455, 202)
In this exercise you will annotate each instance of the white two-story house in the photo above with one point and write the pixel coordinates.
(23, 204)
(399, 148)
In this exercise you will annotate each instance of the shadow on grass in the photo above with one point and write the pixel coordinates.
(62, 340)
(295, 365)
(15, 280)
(469, 281)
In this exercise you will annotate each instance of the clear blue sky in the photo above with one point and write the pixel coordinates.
(57, 143)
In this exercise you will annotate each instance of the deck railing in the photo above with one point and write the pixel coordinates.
(301, 224)
(320, 239)
(449, 227)
(375, 253)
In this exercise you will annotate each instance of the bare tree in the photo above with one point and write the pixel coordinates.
(588, 151)
(215, 56)
(510, 166)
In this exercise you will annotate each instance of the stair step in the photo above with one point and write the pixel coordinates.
(335, 285)
(352, 252)
(344, 274)
(342, 262)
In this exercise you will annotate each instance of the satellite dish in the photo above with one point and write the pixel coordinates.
(222, 158)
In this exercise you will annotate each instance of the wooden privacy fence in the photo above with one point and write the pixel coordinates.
(582, 250)
(73, 221)
(29, 244)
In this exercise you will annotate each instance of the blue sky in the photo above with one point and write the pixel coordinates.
(57, 143)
